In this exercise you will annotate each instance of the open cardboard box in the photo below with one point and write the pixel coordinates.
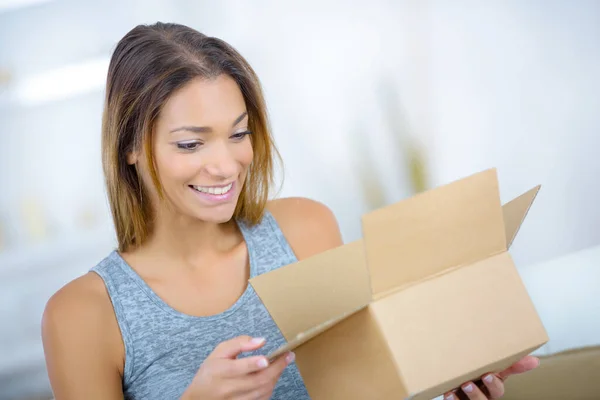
(428, 299)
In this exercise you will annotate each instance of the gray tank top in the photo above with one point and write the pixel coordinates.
(164, 348)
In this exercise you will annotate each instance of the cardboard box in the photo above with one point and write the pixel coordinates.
(572, 374)
(428, 299)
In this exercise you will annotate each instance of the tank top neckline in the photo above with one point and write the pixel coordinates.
(141, 283)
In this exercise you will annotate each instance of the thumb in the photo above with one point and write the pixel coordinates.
(525, 364)
(232, 348)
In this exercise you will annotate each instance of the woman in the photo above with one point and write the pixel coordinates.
(188, 161)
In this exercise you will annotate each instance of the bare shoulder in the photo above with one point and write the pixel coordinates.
(82, 300)
(82, 342)
(309, 226)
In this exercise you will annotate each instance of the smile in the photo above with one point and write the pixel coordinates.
(216, 190)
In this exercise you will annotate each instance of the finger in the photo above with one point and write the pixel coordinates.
(232, 348)
(523, 365)
(243, 366)
(261, 393)
(455, 394)
(495, 387)
(472, 391)
(268, 377)
(276, 368)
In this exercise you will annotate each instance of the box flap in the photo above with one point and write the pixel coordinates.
(515, 212)
(455, 224)
(305, 296)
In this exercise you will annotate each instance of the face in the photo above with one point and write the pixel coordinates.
(202, 149)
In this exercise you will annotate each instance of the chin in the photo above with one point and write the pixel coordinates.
(217, 219)
(217, 215)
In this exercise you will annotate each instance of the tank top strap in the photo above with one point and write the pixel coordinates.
(124, 295)
(268, 248)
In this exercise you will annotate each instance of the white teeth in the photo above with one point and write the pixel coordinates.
(214, 190)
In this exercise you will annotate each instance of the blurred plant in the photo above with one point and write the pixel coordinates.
(5, 76)
(406, 143)
(86, 218)
(5, 80)
(372, 188)
(404, 137)
(34, 219)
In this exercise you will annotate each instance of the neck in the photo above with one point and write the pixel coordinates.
(189, 240)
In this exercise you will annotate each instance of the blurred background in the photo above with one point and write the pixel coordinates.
(370, 102)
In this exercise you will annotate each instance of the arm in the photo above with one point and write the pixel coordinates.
(310, 227)
(82, 342)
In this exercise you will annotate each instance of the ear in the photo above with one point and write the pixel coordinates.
(132, 157)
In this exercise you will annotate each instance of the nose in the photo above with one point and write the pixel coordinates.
(220, 161)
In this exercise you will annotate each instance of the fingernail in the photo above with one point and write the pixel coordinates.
(488, 378)
(468, 388)
(257, 340)
(263, 363)
(450, 397)
(290, 358)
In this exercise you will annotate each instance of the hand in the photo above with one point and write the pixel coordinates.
(493, 384)
(224, 376)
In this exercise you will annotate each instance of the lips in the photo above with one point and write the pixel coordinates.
(213, 195)
(214, 190)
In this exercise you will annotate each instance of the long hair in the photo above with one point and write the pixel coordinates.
(147, 66)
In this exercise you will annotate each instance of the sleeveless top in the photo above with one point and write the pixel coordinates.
(164, 348)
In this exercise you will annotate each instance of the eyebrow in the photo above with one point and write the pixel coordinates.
(205, 129)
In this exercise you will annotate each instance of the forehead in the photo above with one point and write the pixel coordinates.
(204, 102)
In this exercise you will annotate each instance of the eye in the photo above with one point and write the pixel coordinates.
(189, 146)
(240, 135)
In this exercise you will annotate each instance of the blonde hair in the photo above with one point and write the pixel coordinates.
(149, 63)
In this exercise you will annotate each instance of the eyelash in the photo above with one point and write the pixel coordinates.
(195, 145)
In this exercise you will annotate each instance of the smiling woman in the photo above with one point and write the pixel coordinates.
(188, 161)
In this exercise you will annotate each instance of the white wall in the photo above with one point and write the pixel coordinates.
(516, 87)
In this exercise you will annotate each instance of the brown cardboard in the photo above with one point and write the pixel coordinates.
(452, 225)
(428, 299)
(569, 375)
(514, 213)
(311, 292)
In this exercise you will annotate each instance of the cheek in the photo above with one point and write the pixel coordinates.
(173, 167)
(245, 154)
(147, 183)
